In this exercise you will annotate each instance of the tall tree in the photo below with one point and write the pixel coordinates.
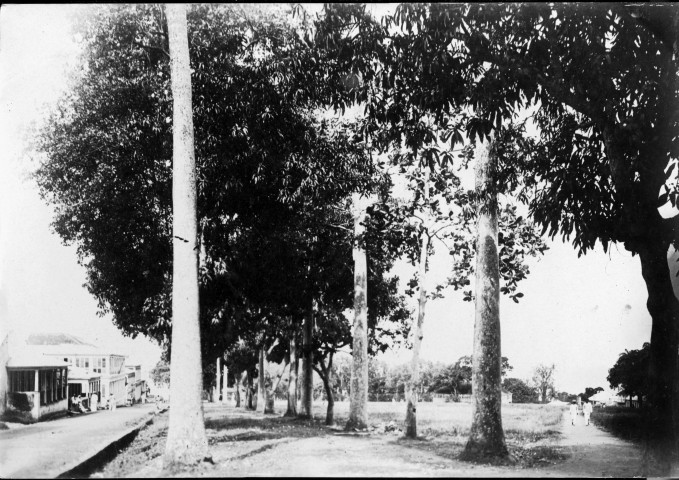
(486, 438)
(417, 331)
(186, 437)
(306, 404)
(358, 397)
(292, 380)
(261, 381)
(543, 380)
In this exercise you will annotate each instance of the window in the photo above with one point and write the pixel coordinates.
(103, 363)
(96, 364)
(22, 381)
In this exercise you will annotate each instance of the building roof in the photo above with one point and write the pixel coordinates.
(66, 344)
(32, 356)
(55, 339)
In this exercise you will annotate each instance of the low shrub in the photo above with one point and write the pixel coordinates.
(623, 422)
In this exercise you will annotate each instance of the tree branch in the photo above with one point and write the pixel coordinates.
(339, 226)
(139, 44)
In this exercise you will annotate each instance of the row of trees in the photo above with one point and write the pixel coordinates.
(387, 382)
(284, 194)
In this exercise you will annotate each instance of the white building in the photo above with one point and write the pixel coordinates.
(33, 386)
(89, 359)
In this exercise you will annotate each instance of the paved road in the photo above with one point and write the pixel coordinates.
(48, 449)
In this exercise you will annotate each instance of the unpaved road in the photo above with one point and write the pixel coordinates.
(595, 453)
(47, 449)
(289, 450)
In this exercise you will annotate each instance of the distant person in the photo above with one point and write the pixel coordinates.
(587, 411)
(111, 402)
(573, 411)
(94, 399)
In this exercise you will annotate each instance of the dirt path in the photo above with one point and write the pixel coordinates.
(47, 449)
(596, 453)
(299, 449)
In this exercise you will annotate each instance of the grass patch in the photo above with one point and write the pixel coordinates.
(531, 430)
(623, 422)
(538, 456)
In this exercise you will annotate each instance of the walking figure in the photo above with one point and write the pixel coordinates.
(573, 411)
(587, 411)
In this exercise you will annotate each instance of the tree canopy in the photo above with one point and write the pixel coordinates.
(629, 374)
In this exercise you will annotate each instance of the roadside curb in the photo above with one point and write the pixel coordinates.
(83, 466)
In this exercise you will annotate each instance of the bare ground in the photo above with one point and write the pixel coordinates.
(245, 443)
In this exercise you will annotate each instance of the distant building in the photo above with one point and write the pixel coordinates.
(136, 386)
(607, 398)
(84, 384)
(89, 360)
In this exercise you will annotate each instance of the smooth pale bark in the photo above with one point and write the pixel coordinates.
(417, 328)
(280, 375)
(218, 373)
(292, 381)
(271, 393)
(236, 384)
(358, 395)
(225, 383)
(261, 383)
(486, 439)
(186, 439)
(306, 406)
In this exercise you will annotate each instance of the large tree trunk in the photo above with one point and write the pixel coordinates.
(292, 381)
(662, 412)
(306, 409)
(417, 328)
(186, 439)
(261, 383)
(486, 439)
(358, 396)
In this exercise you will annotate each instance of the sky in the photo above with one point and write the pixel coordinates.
(577, 313)
(41, 283)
